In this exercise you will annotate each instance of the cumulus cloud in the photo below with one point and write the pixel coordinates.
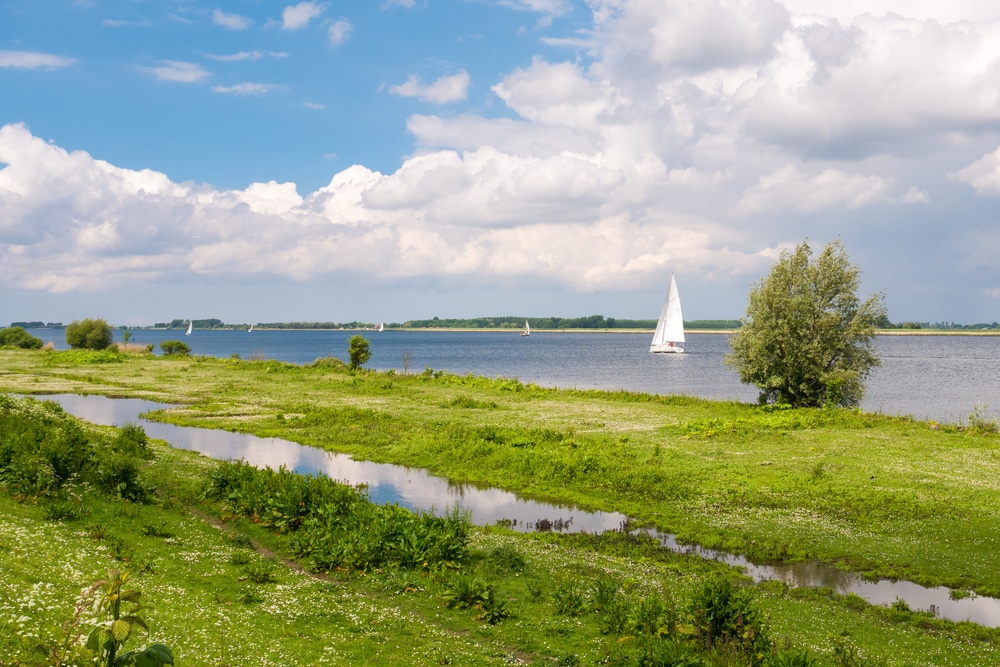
(231, 21)
(983, 174)
(445, 89)
(174, 70)
(690, 137)
(339, 32)
(33, 60)
(80, 223)
(790, 188)
(298, 16)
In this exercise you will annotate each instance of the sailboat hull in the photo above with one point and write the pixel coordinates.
(666, 349)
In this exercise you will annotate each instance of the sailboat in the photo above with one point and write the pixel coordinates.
(381, 326)
(669, 336)
(250, 329)
(190, 327)
(527, 329)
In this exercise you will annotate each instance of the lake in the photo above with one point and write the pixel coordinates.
(942, 378)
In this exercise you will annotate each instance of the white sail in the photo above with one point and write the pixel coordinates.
(669, 336)
(250, 329)
(527, 329)
(190, 327)
(381, 326)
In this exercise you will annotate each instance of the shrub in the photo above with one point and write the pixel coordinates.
(17, 337)
(90, 334)
(175, 348)
(359, 351)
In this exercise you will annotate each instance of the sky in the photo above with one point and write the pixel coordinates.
(404, 159)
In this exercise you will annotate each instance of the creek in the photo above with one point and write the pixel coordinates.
(419, 491)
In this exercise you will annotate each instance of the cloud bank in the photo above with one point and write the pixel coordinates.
(688, 137)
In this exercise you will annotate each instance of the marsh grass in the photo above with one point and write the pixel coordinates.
(882, 494)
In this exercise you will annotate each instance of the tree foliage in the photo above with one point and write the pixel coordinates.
(18, 337)
(359, 351)
(175, 347)
(90, 334)
(806, 338)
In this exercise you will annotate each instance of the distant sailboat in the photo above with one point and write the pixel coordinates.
(250, 329)
(669, 336)
(381, 326)
(527, 329)
(190, 327)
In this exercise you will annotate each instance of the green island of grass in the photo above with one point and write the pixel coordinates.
(256, 568)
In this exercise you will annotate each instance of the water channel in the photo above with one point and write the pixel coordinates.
(417, 490)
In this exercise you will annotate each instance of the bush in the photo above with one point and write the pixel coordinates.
(89, 335)
(17, 337)
(359, 351)
(175, 348)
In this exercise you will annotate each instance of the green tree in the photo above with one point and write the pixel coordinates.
(359, 351)
(175, 347)
(806, 338)
(89, 334)
(18, 337)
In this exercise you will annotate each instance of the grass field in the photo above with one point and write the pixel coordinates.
(883, 495)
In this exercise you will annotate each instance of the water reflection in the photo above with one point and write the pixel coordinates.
(412, 488)
(419, 491)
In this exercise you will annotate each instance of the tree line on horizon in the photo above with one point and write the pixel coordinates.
(506, 322)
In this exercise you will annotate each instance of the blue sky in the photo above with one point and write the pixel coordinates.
(259, 161)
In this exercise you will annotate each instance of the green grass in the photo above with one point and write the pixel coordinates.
(876, 493)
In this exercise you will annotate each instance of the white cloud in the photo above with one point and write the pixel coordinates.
(550, 7)
(245, 55)
(790, 188)
(446, 89)
(298, 16)
(339, 32)
(173, 70)
(33, 60)
(231, 21)
(249, 88)
(698, 137)
(983, 174)
(80, 223)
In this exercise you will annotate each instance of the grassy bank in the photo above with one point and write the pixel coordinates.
(880, 494)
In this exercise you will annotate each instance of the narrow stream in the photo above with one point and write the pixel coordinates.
(417, 490)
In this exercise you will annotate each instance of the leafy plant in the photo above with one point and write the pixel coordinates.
(17, 337)
(89, 334)
(109, 637)
(724, 615)
(358, 351)
(175, 348)
(569, 598)
(262, 571)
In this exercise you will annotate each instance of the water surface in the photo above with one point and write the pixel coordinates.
(929, 377)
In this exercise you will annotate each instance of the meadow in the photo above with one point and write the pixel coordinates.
(239, 569)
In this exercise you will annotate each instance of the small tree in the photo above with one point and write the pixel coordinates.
(359, 351)
(175, 347)
(89, 334)
(18, 337)
(806, 338)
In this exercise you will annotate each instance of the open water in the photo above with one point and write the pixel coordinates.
(943, 378)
